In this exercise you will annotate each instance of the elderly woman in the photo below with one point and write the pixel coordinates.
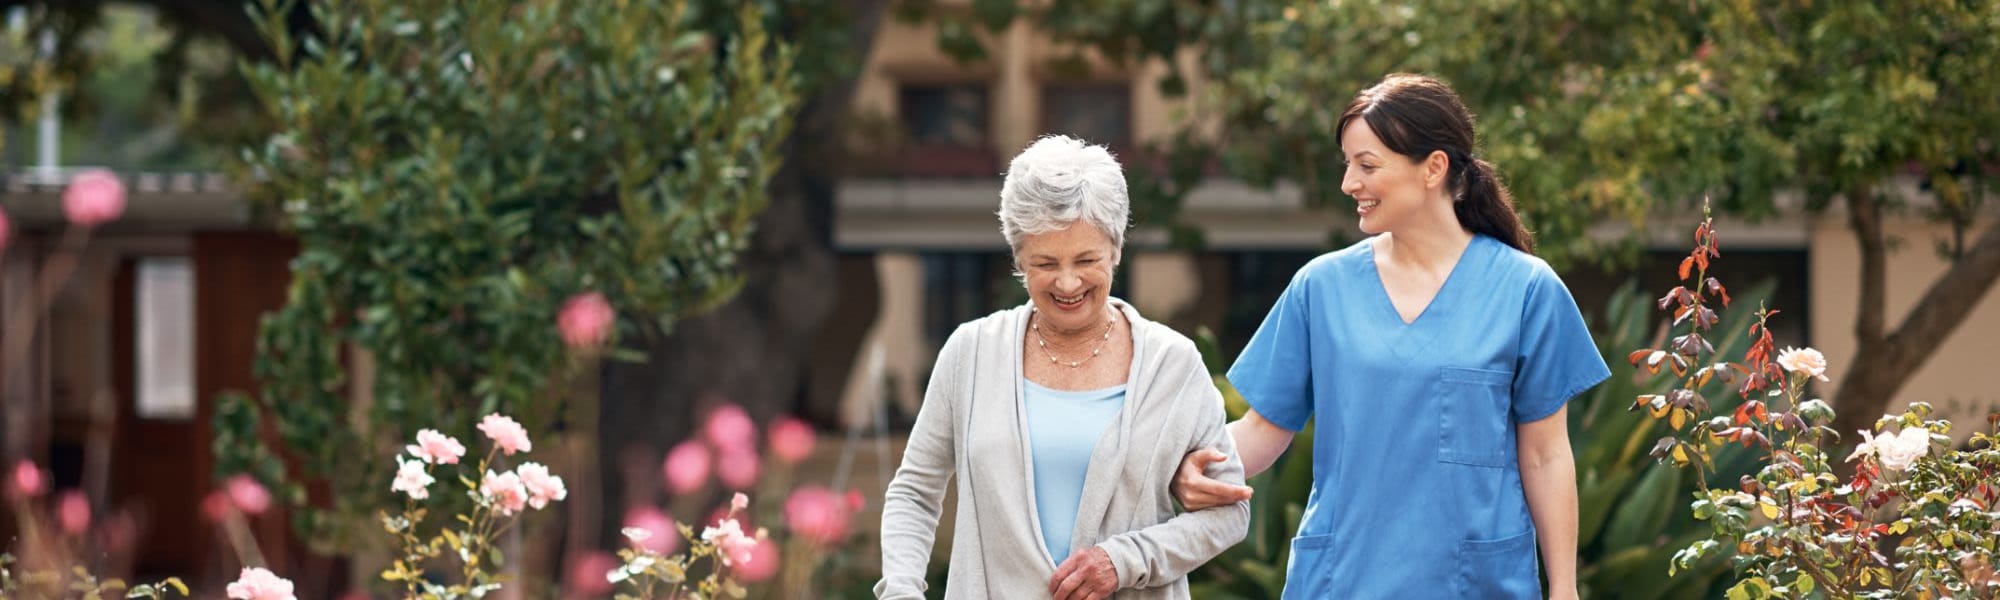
(1064, 418)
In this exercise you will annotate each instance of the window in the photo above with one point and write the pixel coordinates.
(1095, 113)
(946, 115)
(164, 350)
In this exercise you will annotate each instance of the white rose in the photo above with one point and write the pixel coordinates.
(1805, 361)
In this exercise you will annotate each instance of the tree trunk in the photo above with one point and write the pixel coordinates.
(1883, 361)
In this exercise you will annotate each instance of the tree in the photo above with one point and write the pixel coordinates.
(1604, 112)
(456, 171)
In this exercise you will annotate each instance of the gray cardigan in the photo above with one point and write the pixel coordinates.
(973, 424)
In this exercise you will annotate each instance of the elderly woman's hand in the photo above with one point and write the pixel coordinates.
(1087, 575)
(1196, 491)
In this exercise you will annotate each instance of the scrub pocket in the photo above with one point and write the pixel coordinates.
(1498, 569)
(1472, 417)
(1310, 574)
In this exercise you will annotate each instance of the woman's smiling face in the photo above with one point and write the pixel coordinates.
(1068, 275)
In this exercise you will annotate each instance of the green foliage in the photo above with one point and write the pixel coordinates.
(1593, 111)
(1255, 568)
(454, 171)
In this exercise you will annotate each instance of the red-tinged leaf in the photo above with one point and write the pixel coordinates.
(1725, 296)
(1636, 355)
(1686, 264)
(1680, 314)
(1680, 366)
(1701, 260)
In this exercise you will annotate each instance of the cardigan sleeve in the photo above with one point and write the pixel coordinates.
(914, 501)
(1163, 553)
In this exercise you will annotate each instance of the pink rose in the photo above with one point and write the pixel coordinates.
(412, 479)
(504, 491)
(73, 512)
(436, 448)
(28, 480)
(506, 434)
(93, 198)
(791, 440)
(248, 495)
(542, 487)
(652, 530)
(735, 547)
(763, 563)
(585, 320)
(855, 502)
(686, 467)
(729, 428)
(587, 574)
(260, 584)
(738, 469)
(216, 507)
(817, 514)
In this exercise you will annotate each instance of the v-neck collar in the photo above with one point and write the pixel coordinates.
(1409, 338)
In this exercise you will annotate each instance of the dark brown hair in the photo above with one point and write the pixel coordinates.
(1415, 115)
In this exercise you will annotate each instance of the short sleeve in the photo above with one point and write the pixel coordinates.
(1274, 372)
(1557, 358)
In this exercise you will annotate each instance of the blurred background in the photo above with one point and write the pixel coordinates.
(1848, 150)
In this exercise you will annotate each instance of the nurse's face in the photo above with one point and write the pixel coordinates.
(1390, 190)
(1068, 274)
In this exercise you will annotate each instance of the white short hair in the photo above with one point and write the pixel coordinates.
(1058, 181)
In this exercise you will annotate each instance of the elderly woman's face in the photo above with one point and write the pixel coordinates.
(1068, 274)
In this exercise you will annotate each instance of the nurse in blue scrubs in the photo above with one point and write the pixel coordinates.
(1437, 357)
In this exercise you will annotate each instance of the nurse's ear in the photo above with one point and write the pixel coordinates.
(1437, 167)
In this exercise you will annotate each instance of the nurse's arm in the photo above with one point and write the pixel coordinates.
(1258, 443)
(1548, 476)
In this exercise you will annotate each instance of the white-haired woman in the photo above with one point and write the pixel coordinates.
(1064, 418)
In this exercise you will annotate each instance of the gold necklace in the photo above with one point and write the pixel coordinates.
(1044, 342)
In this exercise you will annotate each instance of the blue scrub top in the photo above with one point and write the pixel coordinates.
(1416, 486)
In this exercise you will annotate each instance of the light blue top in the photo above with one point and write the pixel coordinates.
(1063, 427)
(1416, 485)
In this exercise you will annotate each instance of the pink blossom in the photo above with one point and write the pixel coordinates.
(686, 467)
(660, 535)
(729, 428)
(738, 469)
(248, 495)
(739, 502)
(762, 565)
(216, 507)
(436, 448)
(93, 198)
(28, 481)
(6, 228)
(506, 434)
(260, 584)
(585, 320)
(855, 502)
(542, 487)
(504, 491)
(735, 547)
(791, 440)
(73, 512)
(586, 574)
(412, 479)
(817, 514)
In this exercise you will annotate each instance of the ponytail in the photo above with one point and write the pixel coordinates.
(1484, 205)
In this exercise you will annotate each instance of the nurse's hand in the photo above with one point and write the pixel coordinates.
(1196, 491)
(1087, 575)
